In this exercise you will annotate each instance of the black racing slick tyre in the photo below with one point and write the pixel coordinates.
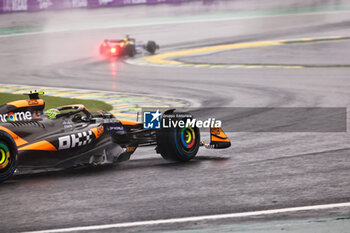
(8, 156)
(178, 144)
(151, 47)
(130, 50)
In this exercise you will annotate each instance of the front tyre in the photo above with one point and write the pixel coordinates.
(8, 156)
(178, 144)
(151, 47)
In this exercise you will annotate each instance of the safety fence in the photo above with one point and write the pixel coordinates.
(38, 5)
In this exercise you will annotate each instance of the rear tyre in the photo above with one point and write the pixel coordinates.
(8, 156)
(151, 47)
(178, 144)
(130, 50)
(102, 50)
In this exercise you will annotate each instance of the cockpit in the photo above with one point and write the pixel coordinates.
(77, 112)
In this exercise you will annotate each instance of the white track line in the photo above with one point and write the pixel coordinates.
(195, 219)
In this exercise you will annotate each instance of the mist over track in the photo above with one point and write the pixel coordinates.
(261, 171)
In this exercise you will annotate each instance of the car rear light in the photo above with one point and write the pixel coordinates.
(113, 50)
(122, 44)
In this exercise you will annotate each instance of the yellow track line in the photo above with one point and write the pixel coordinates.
(167, 59)
(160, 59)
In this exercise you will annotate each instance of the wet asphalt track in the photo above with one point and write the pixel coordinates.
(260, 171)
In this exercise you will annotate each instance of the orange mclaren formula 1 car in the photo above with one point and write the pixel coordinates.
(32, 140)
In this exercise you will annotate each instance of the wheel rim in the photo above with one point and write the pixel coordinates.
(4, 156)
(188, 138)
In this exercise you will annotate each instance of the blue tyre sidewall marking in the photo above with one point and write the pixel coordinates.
(10, 174)
(183, 138)
(177, 146)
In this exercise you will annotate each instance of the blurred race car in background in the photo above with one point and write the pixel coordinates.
(126, 47)
(32, 140)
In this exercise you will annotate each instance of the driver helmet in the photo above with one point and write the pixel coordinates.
(126, 38)
(52, 113)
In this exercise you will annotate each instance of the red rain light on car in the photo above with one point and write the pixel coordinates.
(113, 50)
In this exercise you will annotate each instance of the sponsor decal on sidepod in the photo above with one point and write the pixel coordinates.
(75, 140)
(16, 116)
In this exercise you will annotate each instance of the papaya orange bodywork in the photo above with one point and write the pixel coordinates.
(42, 145)
(217, 134)
(18, 140)
(98, 131)
(27, 103)
(129, 122)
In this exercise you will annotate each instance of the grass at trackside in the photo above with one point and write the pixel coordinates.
(51, 102)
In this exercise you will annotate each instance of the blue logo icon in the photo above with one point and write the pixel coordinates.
(151, 120)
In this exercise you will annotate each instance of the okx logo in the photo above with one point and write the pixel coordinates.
(151, 120)
(74, 140)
